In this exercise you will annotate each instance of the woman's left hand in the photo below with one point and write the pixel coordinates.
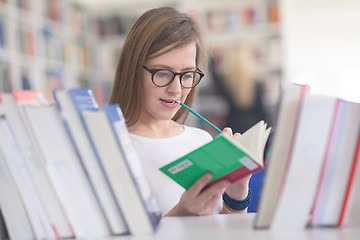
(238, 190)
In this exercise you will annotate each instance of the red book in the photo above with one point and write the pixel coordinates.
(28, 95)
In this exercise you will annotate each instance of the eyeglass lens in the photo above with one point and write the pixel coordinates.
(187, 79)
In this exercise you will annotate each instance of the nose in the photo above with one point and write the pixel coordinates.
(175, 86)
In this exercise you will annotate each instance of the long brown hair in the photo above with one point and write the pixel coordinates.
(153, 31)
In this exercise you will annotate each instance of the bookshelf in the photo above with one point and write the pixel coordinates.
(239, 226)
(46, 45)
(214, 226)
(54, 44)
(256, 25)
(36, 63)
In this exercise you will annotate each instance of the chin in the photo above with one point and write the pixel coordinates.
(167, 117)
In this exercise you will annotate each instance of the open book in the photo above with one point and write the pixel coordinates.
(224, 157)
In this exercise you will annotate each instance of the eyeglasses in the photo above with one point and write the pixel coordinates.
(164, 77)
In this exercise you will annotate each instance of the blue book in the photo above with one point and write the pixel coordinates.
(122, 165)
(84, 99)
(71, 104)
(131, 157)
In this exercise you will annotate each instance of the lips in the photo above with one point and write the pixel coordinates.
(168, 101)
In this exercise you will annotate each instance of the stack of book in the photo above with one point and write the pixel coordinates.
(68, 169)
(312, 177)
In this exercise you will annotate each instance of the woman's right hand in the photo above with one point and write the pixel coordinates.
(196, 201)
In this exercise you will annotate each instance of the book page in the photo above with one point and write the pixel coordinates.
(255, 139)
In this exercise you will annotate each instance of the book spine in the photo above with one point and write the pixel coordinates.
(84, 100)
(120, 130)
(327, 164)
(305, 91)
(349, 190)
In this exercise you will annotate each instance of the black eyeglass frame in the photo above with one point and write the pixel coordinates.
(181, 74)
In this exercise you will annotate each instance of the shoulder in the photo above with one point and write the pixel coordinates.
(197, 133)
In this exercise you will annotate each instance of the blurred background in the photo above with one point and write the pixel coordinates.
(55, 44)
(257, 47)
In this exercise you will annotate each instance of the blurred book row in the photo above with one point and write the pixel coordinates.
(52, 44)
(48, 45)
(68, 169)
(312, 177)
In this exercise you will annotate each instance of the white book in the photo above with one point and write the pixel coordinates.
(18, 224)
(290, 103)
(91, 164)
(124, 171)
(304, 167)
(338, 165)
(37, 172)
(39, 219)
(65, 172)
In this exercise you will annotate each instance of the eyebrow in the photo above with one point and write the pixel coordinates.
(161, 66)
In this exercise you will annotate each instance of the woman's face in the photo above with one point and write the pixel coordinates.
(159, 103)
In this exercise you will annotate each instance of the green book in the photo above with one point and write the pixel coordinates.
(224, 157)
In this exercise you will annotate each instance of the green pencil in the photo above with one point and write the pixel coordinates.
(199, 116)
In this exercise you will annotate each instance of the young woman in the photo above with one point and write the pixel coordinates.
(160, 63)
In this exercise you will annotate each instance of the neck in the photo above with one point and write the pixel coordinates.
(159, 129)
